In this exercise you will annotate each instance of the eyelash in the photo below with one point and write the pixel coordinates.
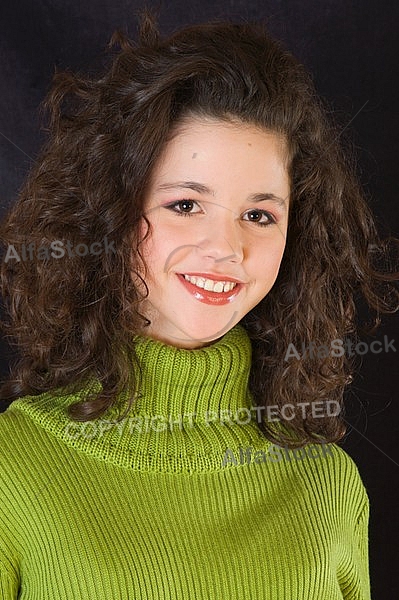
(272, 220)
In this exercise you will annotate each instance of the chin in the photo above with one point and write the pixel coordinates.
(200, 336)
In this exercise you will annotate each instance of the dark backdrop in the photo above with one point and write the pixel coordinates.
(351, 49)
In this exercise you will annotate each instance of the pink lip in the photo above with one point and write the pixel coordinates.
(211, 297)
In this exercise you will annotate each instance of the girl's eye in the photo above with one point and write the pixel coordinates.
(185, 205)
(270, 220)
(185, 210)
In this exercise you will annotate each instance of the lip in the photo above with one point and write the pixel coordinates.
(213, 298)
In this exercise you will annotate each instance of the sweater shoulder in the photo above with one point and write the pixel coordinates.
(17, 435)
(14, 420)
(345, 467)
(24, 442)
(337, 477)
(12, 424)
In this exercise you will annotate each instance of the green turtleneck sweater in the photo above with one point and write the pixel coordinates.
(173, 502)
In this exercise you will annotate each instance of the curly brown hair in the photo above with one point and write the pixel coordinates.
(74, 325)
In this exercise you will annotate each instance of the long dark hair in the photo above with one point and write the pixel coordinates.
(73, 320)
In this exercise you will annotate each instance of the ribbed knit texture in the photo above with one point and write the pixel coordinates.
(163, 506)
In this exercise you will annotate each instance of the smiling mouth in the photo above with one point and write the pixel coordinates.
(210, 285)
(212, 297)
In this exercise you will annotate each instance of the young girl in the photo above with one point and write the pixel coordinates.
(190, 219)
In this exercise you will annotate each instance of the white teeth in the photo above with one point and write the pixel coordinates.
(219, 287)
(210, 285)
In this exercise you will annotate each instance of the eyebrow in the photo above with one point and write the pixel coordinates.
(204, 189)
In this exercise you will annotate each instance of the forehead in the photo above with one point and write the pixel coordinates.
(221, 159)
(188, 132)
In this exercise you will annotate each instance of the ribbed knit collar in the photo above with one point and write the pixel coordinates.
(205, 380)
(192, 406)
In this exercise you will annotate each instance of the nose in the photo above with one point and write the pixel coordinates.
(222, 240)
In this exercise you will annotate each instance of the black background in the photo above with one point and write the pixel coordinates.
(351, 50)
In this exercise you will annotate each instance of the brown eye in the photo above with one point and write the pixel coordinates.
(255, 216)
(182, 208)
(186, 204)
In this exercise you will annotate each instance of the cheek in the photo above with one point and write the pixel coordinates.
(268, 259)
(160, 254)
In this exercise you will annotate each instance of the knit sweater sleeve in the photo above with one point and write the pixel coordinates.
(362, 549)
(9, 562)
(8, 585)
(354, 564)
(9, 578)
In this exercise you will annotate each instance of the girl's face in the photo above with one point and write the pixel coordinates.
(218, 205)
